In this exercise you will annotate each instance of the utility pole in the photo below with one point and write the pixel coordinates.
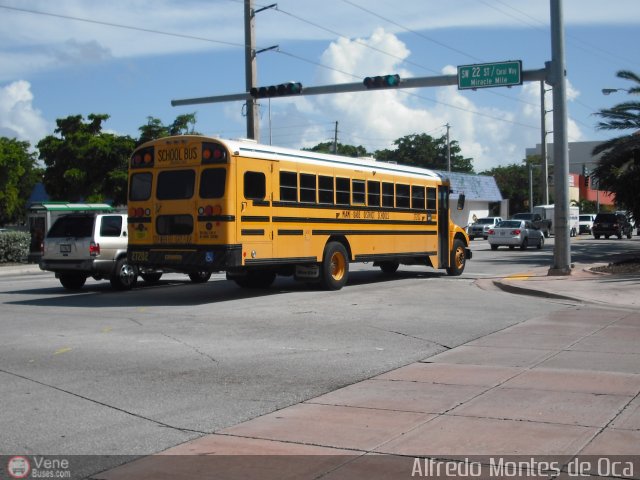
(448, 149)
(544, 161)
(335, 139)
(251, 74)
(562, 250)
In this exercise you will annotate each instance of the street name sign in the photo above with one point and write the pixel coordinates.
(497, 74)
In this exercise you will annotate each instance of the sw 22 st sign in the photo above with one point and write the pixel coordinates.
(482, 75)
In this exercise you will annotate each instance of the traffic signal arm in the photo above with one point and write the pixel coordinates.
(413, 82)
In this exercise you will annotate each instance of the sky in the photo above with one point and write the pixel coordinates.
(129, 58)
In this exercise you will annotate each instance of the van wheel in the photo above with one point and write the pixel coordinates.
(72, 281)
(390, 267)
(335, 266)
(125, 276)
(458, 259)
(200, 277)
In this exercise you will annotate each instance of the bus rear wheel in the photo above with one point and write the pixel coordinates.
(335, 266)
(458, 258)
(199, 277)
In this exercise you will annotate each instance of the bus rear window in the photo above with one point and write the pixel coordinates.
(175, 184)
(140, 188)
(174, 225)
(212, 182)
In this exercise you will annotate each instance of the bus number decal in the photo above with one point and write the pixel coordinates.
(139, 256)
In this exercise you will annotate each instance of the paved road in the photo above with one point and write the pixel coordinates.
(101, 372)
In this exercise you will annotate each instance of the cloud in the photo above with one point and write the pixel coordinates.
(18, 118)
(492, 136)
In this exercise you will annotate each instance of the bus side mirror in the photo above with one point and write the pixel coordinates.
(461, 201)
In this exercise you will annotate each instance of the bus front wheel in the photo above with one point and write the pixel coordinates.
(335, 266)
(458, 258)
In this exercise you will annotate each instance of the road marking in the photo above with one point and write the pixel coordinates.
(106, 330)
(519, 276)
(62, 350)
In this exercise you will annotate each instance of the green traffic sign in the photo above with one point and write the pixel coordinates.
(482, 75)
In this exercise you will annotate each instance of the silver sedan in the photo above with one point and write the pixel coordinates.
(515, 233)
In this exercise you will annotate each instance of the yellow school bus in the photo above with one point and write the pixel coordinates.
(200, 204)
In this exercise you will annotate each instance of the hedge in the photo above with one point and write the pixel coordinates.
(14, 246)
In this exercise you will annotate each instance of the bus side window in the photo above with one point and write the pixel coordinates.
(307, 188)
(373, 193)
(343, 192)
(325, 189)
(431, 198)
(357, 187)
(402, 196)
(387, 195)
(288, 186)
(417, 197)
(255, 186)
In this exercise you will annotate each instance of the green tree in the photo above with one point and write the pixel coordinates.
(152, 130)
(618, 170)
(182, 125)
(346, 150)
(18, 174)
(422, 150)
(84, 163)
(513, 182)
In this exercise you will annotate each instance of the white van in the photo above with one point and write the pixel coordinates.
(84, 245)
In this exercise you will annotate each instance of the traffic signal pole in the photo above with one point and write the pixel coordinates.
(562, 249)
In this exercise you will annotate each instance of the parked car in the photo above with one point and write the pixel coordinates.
(610, 224)
(481, 227)
(515, 233)
(586, 223)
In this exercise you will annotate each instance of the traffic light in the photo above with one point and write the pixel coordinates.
(586, 181)
(382, 81)
(284, 89)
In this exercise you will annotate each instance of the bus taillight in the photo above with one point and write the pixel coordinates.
(213, 153)
(210, 210)
(142, 158)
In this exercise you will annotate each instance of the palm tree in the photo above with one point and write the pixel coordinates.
(618, 170)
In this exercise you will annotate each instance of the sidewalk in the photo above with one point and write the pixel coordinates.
(545, 390)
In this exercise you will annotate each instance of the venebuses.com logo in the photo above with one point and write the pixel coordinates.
(18, 467)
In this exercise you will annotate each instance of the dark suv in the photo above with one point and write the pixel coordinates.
(609, 224)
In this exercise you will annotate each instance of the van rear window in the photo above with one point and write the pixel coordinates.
(72, 226)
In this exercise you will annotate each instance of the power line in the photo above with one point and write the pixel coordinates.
(127, 27)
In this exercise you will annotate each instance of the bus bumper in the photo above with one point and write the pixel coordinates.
(186, 260)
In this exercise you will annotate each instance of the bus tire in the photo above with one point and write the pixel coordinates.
(72, 281)
(458, 259)
(390, 267)
(199, 277)
(335, 266)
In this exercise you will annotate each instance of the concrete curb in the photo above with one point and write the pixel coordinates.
(509, 288)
